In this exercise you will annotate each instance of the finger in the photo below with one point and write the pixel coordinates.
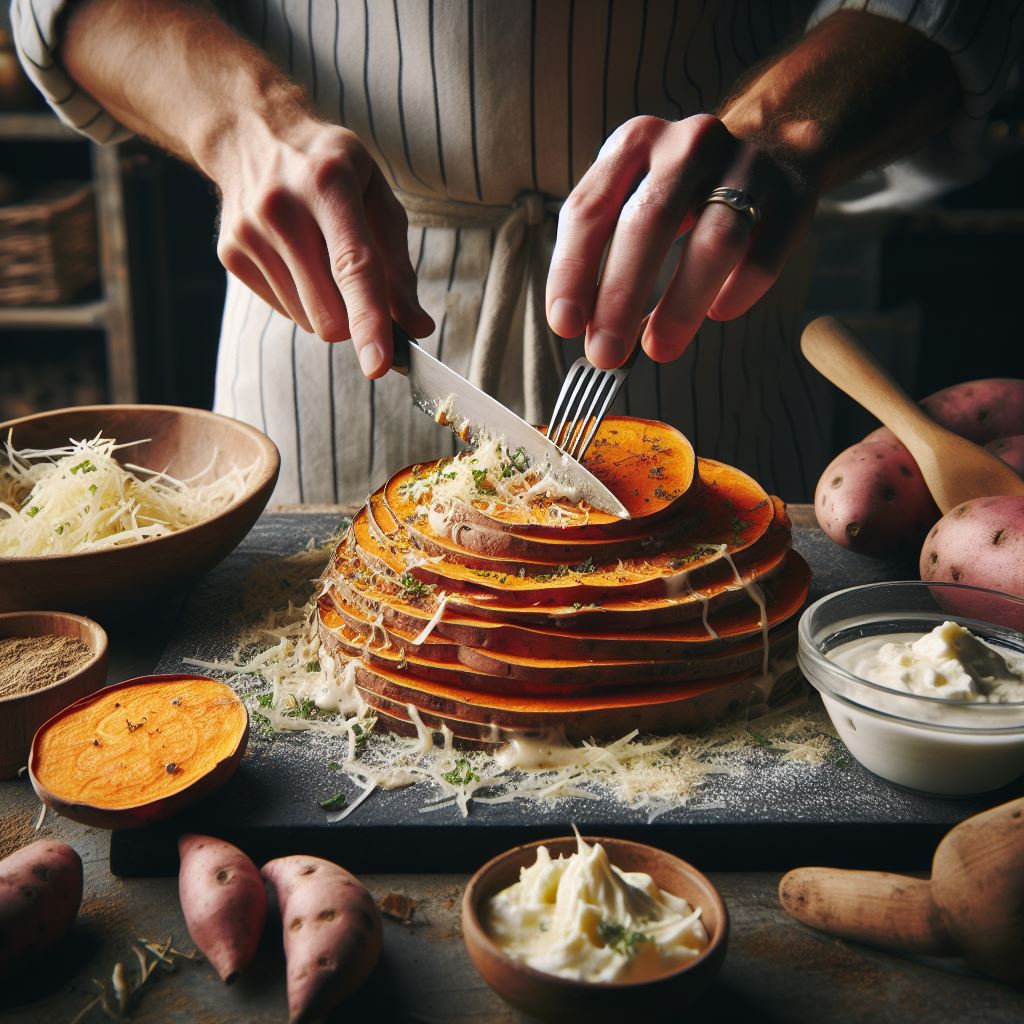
(646, 230)
(300, 243)
(243, 268)
(276, 273)
(358, 272)
(587, 220)
(709, 253)
(390, 227)
(757, 271)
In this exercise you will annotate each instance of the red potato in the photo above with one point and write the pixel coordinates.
(224, 902)
(873, 499)
(1010, 450)
(332, 932)
(980, 410)
(980, 543)
(40, 893)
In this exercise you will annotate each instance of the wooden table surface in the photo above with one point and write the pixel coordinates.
(776, 972)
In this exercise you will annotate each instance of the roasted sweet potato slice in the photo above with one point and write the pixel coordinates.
(785, 594)
(474, 716)
(137, 752)
(648, 466)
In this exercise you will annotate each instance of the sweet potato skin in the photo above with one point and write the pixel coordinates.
(224, 902)
(1010, 450)
(979, 543)
(332, 932)
(873, 499)
(980, 410)
(40, 893)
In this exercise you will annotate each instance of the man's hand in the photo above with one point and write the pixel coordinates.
(857, 91)
(312, 227)
(726, 263)
(308, 221)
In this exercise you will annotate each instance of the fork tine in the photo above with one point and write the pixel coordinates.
(586, 371)
(579, 423)
(604, 381)
(563, 396)
(599, 418)
(566, 398)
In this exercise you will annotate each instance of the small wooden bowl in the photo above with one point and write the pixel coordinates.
(23, 713)
(550, 997)
(182, 443)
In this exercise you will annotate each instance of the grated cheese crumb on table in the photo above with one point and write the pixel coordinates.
(292, 686)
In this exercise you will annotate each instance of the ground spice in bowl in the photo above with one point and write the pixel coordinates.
(29, 663)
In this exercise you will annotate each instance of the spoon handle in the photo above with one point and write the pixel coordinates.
(833, 349)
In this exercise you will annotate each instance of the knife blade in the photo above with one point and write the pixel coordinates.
(436, 388)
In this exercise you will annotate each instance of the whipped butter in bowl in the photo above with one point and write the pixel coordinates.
(921, 697)
(594, 930)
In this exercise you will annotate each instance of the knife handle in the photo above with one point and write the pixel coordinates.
(401, 342)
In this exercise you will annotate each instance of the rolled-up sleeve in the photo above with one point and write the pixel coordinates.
(981, 37)
(36, 26)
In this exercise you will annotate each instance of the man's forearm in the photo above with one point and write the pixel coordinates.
(173, 71)
(858, 91)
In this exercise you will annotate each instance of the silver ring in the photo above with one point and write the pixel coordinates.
(738, 200)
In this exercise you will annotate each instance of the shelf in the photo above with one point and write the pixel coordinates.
(81, 316)
(41, 125)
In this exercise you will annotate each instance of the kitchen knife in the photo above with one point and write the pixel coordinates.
(437, 388)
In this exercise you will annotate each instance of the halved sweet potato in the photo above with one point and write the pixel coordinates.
(139, 751)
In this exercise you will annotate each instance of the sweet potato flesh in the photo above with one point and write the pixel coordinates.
(129, 746)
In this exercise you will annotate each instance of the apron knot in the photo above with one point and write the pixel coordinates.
(535, 206)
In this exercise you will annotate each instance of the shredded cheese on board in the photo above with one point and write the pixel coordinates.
(79, 497)
(292, 686)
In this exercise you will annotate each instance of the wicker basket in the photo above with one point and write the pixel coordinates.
(48, 248)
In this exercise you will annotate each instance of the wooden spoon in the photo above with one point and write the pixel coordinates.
(954, 468)
(972, 906)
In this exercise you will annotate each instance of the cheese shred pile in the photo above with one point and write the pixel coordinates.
(292, 685)
(79, 497)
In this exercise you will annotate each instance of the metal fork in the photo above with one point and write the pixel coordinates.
(587, 388)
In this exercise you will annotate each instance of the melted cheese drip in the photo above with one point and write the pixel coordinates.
(756, 594)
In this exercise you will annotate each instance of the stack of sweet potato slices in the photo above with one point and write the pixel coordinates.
(511, 618)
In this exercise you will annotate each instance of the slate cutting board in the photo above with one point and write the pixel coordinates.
(767, 819)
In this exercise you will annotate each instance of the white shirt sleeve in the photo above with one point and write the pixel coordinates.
(35, 29)
(981, 37)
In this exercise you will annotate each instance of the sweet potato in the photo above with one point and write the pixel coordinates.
(980, 410)
(332, 932)
(873, 499)
(1010, 450)
(979, 543)
(40, 893)
(224, 902)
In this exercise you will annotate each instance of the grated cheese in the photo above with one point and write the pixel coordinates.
(79, 497)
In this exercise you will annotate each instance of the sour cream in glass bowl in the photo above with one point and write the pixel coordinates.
(922, 693)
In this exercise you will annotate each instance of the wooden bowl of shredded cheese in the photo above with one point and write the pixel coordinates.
(104, 508)
(47, 661)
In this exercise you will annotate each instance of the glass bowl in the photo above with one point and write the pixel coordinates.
(931, 744)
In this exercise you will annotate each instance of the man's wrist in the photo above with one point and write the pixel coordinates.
(262, 108)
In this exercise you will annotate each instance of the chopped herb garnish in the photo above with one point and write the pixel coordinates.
(313, 666)
(412, 587)
(480, 479)
(462, 774)
(33, 511)
(84, 467)
(92, 488)
(303, 707)
(361, 736)
(587, 566)
(619, 938)
(761, 741)
(335, 803)
(265, 700)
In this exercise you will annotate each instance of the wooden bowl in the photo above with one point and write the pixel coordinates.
(21, 714)
(550, 997)
(183, 443)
